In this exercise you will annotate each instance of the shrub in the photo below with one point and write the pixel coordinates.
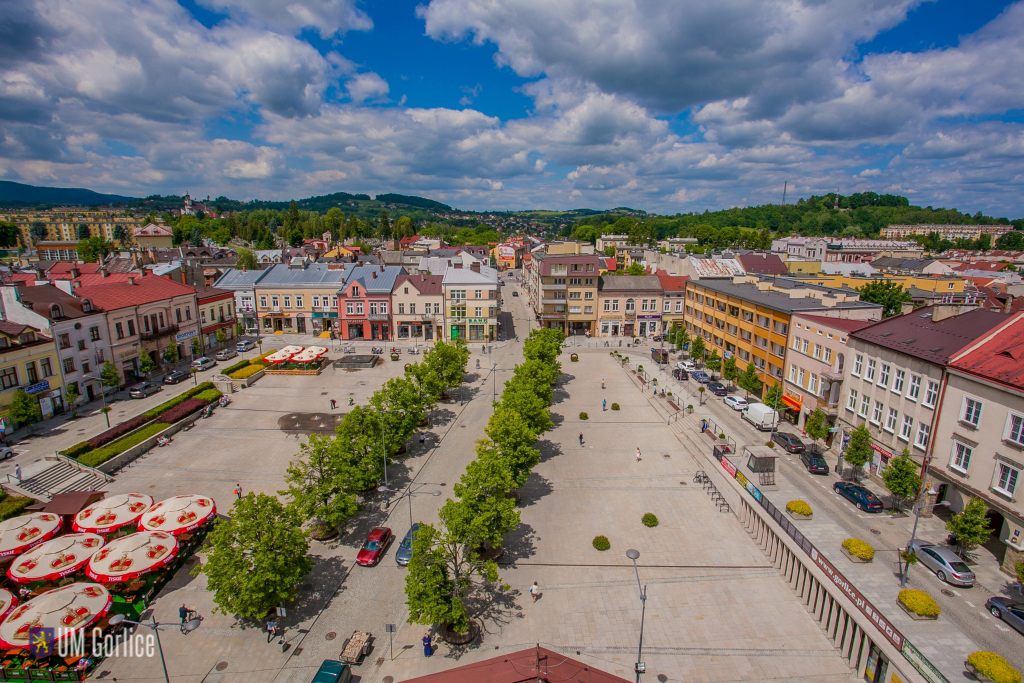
(117, 431)
(859, 548)
(649, 520)
(247, 371)
(990, 665)
(722, 435)
(181, 411)
(237, 366)
(78, 449)
(178, 399)
(615, 406)
(798, 507)
(210, 395)
(1019, 567)
(769, 444)
(584, 416)
(601, 543)
(101, 455)
(670, 393)
(921, 603)
(12, 506)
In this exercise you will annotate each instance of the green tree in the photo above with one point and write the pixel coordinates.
(403, 227)
(257, 558)
(816, 425)
(71, 394)
(109, 376)
(221, 335)
(197, 347)
(858, 451)
(120, 234)
(428, 385)
(320, 485)
(713, 362)
(24, 409)
(384, 225)
(635, 269)
(970, 526)
(749, 380)
(513, 439)
(889, 294)
(902, 479)
(246, 260)
(171, 354)
(773, 398)
(729, 370)
(93, 249)
(485, 511)
(361, 437)
(1011, 241)
(399, 402)
(83, 231)
(239, 328)
(448, 360)
(697, 348)
(522, 399)
(609, 250)
(682, 339)
(9, 234)
(295, 238)
(146, 364)
(38, 231)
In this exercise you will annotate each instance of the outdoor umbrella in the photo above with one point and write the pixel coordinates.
(284, 355)
(110, 514)
(8, 601)
(309, 355)
(66, 610)
(55, 558)
(18, 534)
(130, 557)
(178, 515)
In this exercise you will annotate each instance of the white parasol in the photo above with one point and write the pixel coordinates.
(284, 355)
(66, 610)
(309, 355)
(55, 558)
(18, 534)
(130, 557)
(8, 601)
(110, 514)
(178, 515)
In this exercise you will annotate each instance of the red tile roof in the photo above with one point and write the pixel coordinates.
(424, 284)
(147, 288)
(982, 265)
(609, 262)
(672, 283)
(998, 357)
(768, 264)
(99, 279)
(62, 270)
(533, 665)
(843, 324)
(917, 335)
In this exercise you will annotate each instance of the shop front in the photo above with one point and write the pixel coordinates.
(610, 327)
(478, 329)
(355, 329)
(793, 404)
(50, 401)
(647, 325)
(324, 322)
(415, 329)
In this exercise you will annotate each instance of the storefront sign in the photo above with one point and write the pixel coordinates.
(477, 321)
(37, 387)
(881, 451)
(324, 315)
(182, 336)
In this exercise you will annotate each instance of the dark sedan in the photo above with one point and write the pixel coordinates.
(858, 495)
(814, 463)
(143, 390)
(680, 374)
(791, 443)
(718, 389)
(175, 377)
(1009, 610)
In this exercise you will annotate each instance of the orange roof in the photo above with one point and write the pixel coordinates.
(533, 665)
(147, 288)
(999, 357)
(672, 283)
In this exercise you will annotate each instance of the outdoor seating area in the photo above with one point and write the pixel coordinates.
(297, 360)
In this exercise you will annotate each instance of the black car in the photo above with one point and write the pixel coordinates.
(515, 293)
(175, 377)
(718, 389)
(791, 443)
(680, 374)
(858, 495)
(814, 463)
(1010, 611)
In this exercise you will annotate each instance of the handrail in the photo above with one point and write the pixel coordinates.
(80, 467)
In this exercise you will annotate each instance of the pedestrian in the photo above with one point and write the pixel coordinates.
(271, 629)
(581, 438)
(638, 454)
(351, 401)
(534, 591)
(427, 648)
(334, 404)
(17, 472)
(423, 438)
(604, 404)
(183, 613)
(602, 382)
(238, 491)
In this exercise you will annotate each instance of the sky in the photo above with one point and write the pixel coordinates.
(664, 105)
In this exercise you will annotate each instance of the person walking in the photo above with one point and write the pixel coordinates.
(534, 591)
(604, 404)
(602, 382)
(271, 629)
(423, 438)
(334, 404)
(638, 454)
(238, 491)
(183, 613)
(17, 472)
(427, 647)
(581, 438)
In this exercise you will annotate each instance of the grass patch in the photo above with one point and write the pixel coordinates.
(101, 455)
(247, 371)
(11, 506)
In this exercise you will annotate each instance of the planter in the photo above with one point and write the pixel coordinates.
(573, 357)
(978, 675)
(917, 617)
(454, 638)
(853, 558)
(319, 533)
(799, 518)
(394, 356)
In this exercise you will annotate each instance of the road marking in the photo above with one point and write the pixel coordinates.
(954, 592)
(1002, 628)
(969, 603)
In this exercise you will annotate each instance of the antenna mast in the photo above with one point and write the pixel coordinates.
(785, 185)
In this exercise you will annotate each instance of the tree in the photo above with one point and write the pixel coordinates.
(239, 328)
(403, 227)
(729, 370)
(448, 360)
(902, 479)
(970, 526)
(398, 402)
(682, 339)
(24, 409)
(360, 437)
(120, 234)
(320, 485)
(1011, 241)
(221, 336)
(9, 234)
(246, 260)
(171, 354)
(749, 380)
(384, 225)
(636, 269)
(858, 451)
(38, 231)
(512, 438)
(197, 347)
(71, 393)
(697, 348)
(257, 558)
(889, 294)
(609, 250)
(295, 238)
(485, 512)
(816, 425)
(109, 376)
(146, 364)
(773, 397)
(521, 399)
(93, 249)
(713, 362)
(83, 231)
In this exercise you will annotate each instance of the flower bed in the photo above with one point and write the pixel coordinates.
(101, 455)
(248, 371)
(858, 550)
(117, 431)
(178, 399)
(918, 604)
(993, 667)
(799, 507)
(236, 367)
(181, 411)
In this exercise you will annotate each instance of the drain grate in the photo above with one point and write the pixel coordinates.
(221, 666)
(876, 532)
(331, 636)
(323, 393)
(946, 591)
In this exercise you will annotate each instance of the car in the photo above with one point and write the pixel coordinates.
(717, 388)
(657, 338)
(404, 552)
(681, 374)
(515, 293)
(701, 376)
(791, 443)
(203, 363)
(947, 565)
(1009, 611)
(143, 390)
(735, 402)
(814, 462)
(858, 495)
(332, 671)
(175, 376)
(6, 452)
(687, 365)
(226, 354)
(245, 345)
(374, 547)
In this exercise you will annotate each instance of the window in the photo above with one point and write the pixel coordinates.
(119, 330)
(1006, 478)
(858, 364)
(801, 375)
(131, 327)
(796, 343)
(870, 374)
(576, 295)
(287, 301)
(69, 365)
(679, 305)
(589, 281)
(813, 388)
(931, 394)
(890, 422)
(876, 416)
(188, 313)
(817, 351)
(607, 305)
(803, 345)
(348, 308)
(961, 458)
(44, 364)
(479, 293)
(373, 308)
(972, 412)
(586, 309)
(359, 308)
(915, 388)
(923, 430)
(177, 313)
(631, 306)
(316, 299)
(81, 345)
(865, 403)
(401, 309)
(907, 428)
(64, 341)
(9, 378)
(334, 301)
(615, 304)
(590, 295)
(355, 292)
(275, 301)
(883, 376)
(897, 382)
(667, 308)
(298, 302)
(202, 318)
(458, 293)
(1015, 429)
(792, 373)
(263, 300)
(94, 333)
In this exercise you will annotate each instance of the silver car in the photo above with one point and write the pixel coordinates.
(946, 564)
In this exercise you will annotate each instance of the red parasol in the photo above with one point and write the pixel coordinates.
(130, 557)
(18, 534)
(178, 515)
(55, 558)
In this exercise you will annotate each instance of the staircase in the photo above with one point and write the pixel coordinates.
(61, 478)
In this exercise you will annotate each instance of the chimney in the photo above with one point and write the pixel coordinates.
(103, 271)
(75, 273)
(374, 273)
(382, 268)
(1008, 306)
(458, 264)
(943, 311)
(906, 308)
(475, 266)
(131, 279)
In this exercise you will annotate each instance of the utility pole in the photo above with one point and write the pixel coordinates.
(784, 186)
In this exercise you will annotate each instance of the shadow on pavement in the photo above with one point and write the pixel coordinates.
(518, 545)
(536, 488)
(548, 449)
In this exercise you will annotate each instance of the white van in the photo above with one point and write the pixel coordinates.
(761, 416)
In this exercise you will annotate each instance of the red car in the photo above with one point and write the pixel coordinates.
(376, 544)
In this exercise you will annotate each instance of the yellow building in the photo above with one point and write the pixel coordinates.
(28, 361)
(798, 267)
(62, 225)
(942, 284)
(341, 252)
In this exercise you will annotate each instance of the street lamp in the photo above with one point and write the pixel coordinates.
(103, 397)
(913, 536)
(409, 494)
(640, 666)
(384, 449)
(188, 626)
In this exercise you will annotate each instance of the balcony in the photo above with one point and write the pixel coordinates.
(428, 316)
(833, 375)
(828, 408)
(157, 334)
(554, 302)
(558, 288)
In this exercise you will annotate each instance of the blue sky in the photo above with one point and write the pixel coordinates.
(665, 105)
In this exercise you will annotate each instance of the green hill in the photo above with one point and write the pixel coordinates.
(18, 194)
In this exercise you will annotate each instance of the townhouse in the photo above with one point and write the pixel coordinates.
(28, 361)
(216, 315)
(296, 298)
(673, 299)
(563, 291)
(629, 305)
(417, 305)
(472, 302)
(242, 285)
(364, 304)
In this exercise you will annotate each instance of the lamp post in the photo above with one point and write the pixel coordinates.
(190, 625)
(640, 666)
(409, 493)
(384, 449)
(103, 397)
(913, 536)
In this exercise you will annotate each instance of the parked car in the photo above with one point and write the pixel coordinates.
(717, 388)
(814, 462)
(6, 452)
(515, 293)
(404, 552)
(203, 363)
(735, 402)
(659, 356)
(946, 564)
(687, 365)
(175, 376)
(681, 374)
(374, 547)
(1009, 611)
(791, 443)
(332, 671)
(226, 354)
(858, 495)
(761, 416)
(245, 345)
(143, 390)
(700, 376)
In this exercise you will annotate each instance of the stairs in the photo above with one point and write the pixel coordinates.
(61, 478)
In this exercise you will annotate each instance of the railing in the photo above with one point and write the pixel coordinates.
(80, 467)
(156, 334)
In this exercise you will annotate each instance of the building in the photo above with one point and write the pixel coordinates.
(154, 236)
(978, 450)
(297, 298)
(895, 369)
(700, 267)
(364, 302)
(629, 305)
(925, 266)
(28, 360)
(947, 232)
(563, 291)
(847, 249)
(941, 284)
(473, 299)
(417, 305)
(57, 250)
(673, 289)
(216, 313)
(762, 263)
(533, 665)
(242, 285)
(615, 241)
(71, 225)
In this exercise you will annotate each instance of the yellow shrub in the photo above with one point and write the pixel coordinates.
(247, 371)
(920, 602)
(798, 507)
(991, 665)
(859, 548)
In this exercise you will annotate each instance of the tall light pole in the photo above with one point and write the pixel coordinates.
(913, 535)
(190, 625)
(384, 449)
(640, 666)
(409, 494)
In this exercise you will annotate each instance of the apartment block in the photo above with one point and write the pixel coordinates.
(563, 291)
(629, 305)
(472, 302)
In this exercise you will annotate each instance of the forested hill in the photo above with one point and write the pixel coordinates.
(408, 200)
(19, 194)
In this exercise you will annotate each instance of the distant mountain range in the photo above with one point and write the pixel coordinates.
(18, 193)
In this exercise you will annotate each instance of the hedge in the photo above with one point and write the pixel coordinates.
(237, 366)
(859, 548)
(119, 430)
(181, 411)
(920, 602)
(178, 399)
(12, 506)
(649, 520)
(798, 507)
(101, 455)
(245, 372)
(210, 395)
(992, 666)
(78, 449)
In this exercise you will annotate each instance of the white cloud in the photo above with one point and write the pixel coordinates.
(367, 86)
(328, 17)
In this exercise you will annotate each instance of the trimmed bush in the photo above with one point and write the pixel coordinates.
(769, 444)
(615, 406)
(601, 543)
(798, 507)
(649, 520)
(178, 399)
(921, 603)
(993, 666)
(237, 366)
(181, 411)
(247, 371)
(13, 506)
(77, 450)
(117, 431)
(584, 416)
(101, 455)
(210, 395)
(859, 548)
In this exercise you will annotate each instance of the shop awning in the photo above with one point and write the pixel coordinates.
(792, 403)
